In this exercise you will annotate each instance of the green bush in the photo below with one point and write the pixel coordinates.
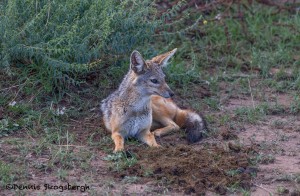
(56, 40)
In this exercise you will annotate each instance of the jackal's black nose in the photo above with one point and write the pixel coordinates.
(171, 94)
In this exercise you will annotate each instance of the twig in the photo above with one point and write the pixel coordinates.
(36, 6)
(29, 134)
(183, 30)
(264, 189)
(12, 87)
(75, 120)
(90, 117)
(34, 96)
(228, 40)
(251, 93)
(68, 140)
(291, 26)
(19, 90)
(48, 15)
(239, 76)
(70, 146)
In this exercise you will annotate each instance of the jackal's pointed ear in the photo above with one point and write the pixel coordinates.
(137, 63)
(162, 59)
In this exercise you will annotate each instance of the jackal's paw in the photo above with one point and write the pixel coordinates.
(157, 146)
(157, 134)
(116, 150)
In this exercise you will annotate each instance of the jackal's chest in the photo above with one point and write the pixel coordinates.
(135, 125)
(138, 121)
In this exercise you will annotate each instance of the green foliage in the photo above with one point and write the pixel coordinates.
(6, 173)
(19, 116)
(7, 126)
(56, 40)
(121, 160)
(251, 115)
(295, 105)
(261, 39)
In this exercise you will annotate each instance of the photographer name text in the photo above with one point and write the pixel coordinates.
(48, 187)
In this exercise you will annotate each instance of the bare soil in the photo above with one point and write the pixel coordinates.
(261, 158)
(185, 169)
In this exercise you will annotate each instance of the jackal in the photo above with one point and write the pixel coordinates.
(142, 107)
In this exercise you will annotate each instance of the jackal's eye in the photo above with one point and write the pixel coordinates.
(154, 81)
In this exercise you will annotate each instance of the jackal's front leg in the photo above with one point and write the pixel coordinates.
(118, 140)
(148, 138)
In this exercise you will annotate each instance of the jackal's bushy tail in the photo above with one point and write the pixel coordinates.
(193, 123)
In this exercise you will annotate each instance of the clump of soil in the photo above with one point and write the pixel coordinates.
(188, 170)
(228, 135)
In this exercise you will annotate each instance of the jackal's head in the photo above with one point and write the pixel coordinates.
(149, 77)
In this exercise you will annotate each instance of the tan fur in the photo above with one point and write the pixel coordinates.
(168, 117)
(166, 114)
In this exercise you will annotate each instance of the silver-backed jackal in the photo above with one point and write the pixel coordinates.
(141, 107)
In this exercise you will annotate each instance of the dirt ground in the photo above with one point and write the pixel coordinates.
(279, 147)
(203, 169)
(261, 158)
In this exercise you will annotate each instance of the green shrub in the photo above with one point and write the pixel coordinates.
(56, 40)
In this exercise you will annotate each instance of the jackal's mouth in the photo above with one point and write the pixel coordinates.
(161, 95)
(156, 93)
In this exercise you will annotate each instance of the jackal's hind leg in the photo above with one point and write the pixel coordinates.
(169, 127)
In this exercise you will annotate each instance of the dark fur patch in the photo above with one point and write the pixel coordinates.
(195, 130)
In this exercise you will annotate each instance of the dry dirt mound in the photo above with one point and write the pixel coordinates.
(184, 169)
